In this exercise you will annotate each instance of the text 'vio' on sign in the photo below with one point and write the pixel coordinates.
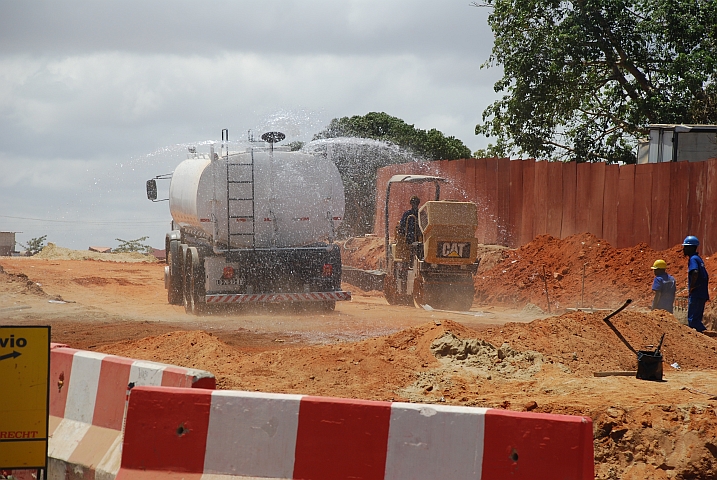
(25, 374)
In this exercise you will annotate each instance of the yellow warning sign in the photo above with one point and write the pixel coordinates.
(24, 400)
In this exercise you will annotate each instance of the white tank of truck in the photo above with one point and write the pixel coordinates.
(258, 198)
(253, 226)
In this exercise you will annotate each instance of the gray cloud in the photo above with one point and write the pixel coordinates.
(96, 97)
(264, 26)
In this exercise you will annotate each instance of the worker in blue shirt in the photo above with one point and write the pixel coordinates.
(697, 284)
(664, 287)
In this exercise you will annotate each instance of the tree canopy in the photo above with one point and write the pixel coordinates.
(34, 245)
(429, 144)
(582, 79)
(390, 140)
(136, 245)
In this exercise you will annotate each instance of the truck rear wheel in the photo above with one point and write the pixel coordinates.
(193, 283)
(174, 284)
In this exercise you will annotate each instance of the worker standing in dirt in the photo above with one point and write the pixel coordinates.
(664, 287)
(697, 284)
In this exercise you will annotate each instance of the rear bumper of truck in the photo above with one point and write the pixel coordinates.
(277, 297)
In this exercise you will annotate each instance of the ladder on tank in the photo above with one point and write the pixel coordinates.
(247, 178)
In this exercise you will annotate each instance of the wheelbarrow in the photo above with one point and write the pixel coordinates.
(649, 363)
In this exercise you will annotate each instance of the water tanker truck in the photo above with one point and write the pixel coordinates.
(253, 226)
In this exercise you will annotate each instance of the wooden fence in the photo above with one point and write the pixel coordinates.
(656, 204)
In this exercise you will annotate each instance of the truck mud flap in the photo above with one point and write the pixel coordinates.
(278, 297)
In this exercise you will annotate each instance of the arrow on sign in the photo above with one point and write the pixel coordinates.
(14, 354)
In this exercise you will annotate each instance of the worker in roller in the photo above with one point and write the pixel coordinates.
(663, 286)
(409, 228)
(409, 222)
(697, 283)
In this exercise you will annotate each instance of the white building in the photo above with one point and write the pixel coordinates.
(678, 143)
(7, 243)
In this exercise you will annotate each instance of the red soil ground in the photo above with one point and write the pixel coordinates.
(580, 271)
(642, 429)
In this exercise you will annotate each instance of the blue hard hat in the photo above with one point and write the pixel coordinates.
(691, 240)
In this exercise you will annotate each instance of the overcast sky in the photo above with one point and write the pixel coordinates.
(97, 97)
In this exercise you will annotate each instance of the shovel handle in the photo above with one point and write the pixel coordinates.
(617, 332)
(624, 306)
(659, 346)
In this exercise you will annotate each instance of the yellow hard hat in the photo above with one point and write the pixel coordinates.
(659, 265)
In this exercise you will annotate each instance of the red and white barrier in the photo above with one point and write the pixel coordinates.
(174, 433)
(88, 397)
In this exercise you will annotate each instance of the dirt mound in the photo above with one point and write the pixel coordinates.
(21, 284)
(611, 275)
(366, 253)
(191, 349)
(577, 343)
(536, 367)
(370, 369)
(53, 252)
(585, 344)
(669, 441)
(485, 359)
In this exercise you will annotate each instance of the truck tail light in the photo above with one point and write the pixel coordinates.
(228, 273)
(328, 270)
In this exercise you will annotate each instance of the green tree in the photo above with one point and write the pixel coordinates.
(582, 79)
(295, 145)
(389, 140)
(136, 245)
(429, 144)
(34, 245)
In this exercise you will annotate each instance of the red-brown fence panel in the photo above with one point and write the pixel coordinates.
(659, 226)
(540, 198)
(527, 231)
(515, 214)
(643, 203)
(657, 204)
(491, 228)
(502, 199)
(679, 194)
(625, 207)
(696, 217)
(570, 185)
(453, 188)
(382, 176)
(442, 170)
(583, 198)
(469, 179)
(709, 245)
(554, 199)
(610, 204)
(481, 197)
(597, 193)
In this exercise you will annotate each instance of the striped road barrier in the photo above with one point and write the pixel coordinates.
(88, 400)
(175, 433)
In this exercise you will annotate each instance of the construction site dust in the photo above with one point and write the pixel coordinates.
(258, 290)
(507, 352)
